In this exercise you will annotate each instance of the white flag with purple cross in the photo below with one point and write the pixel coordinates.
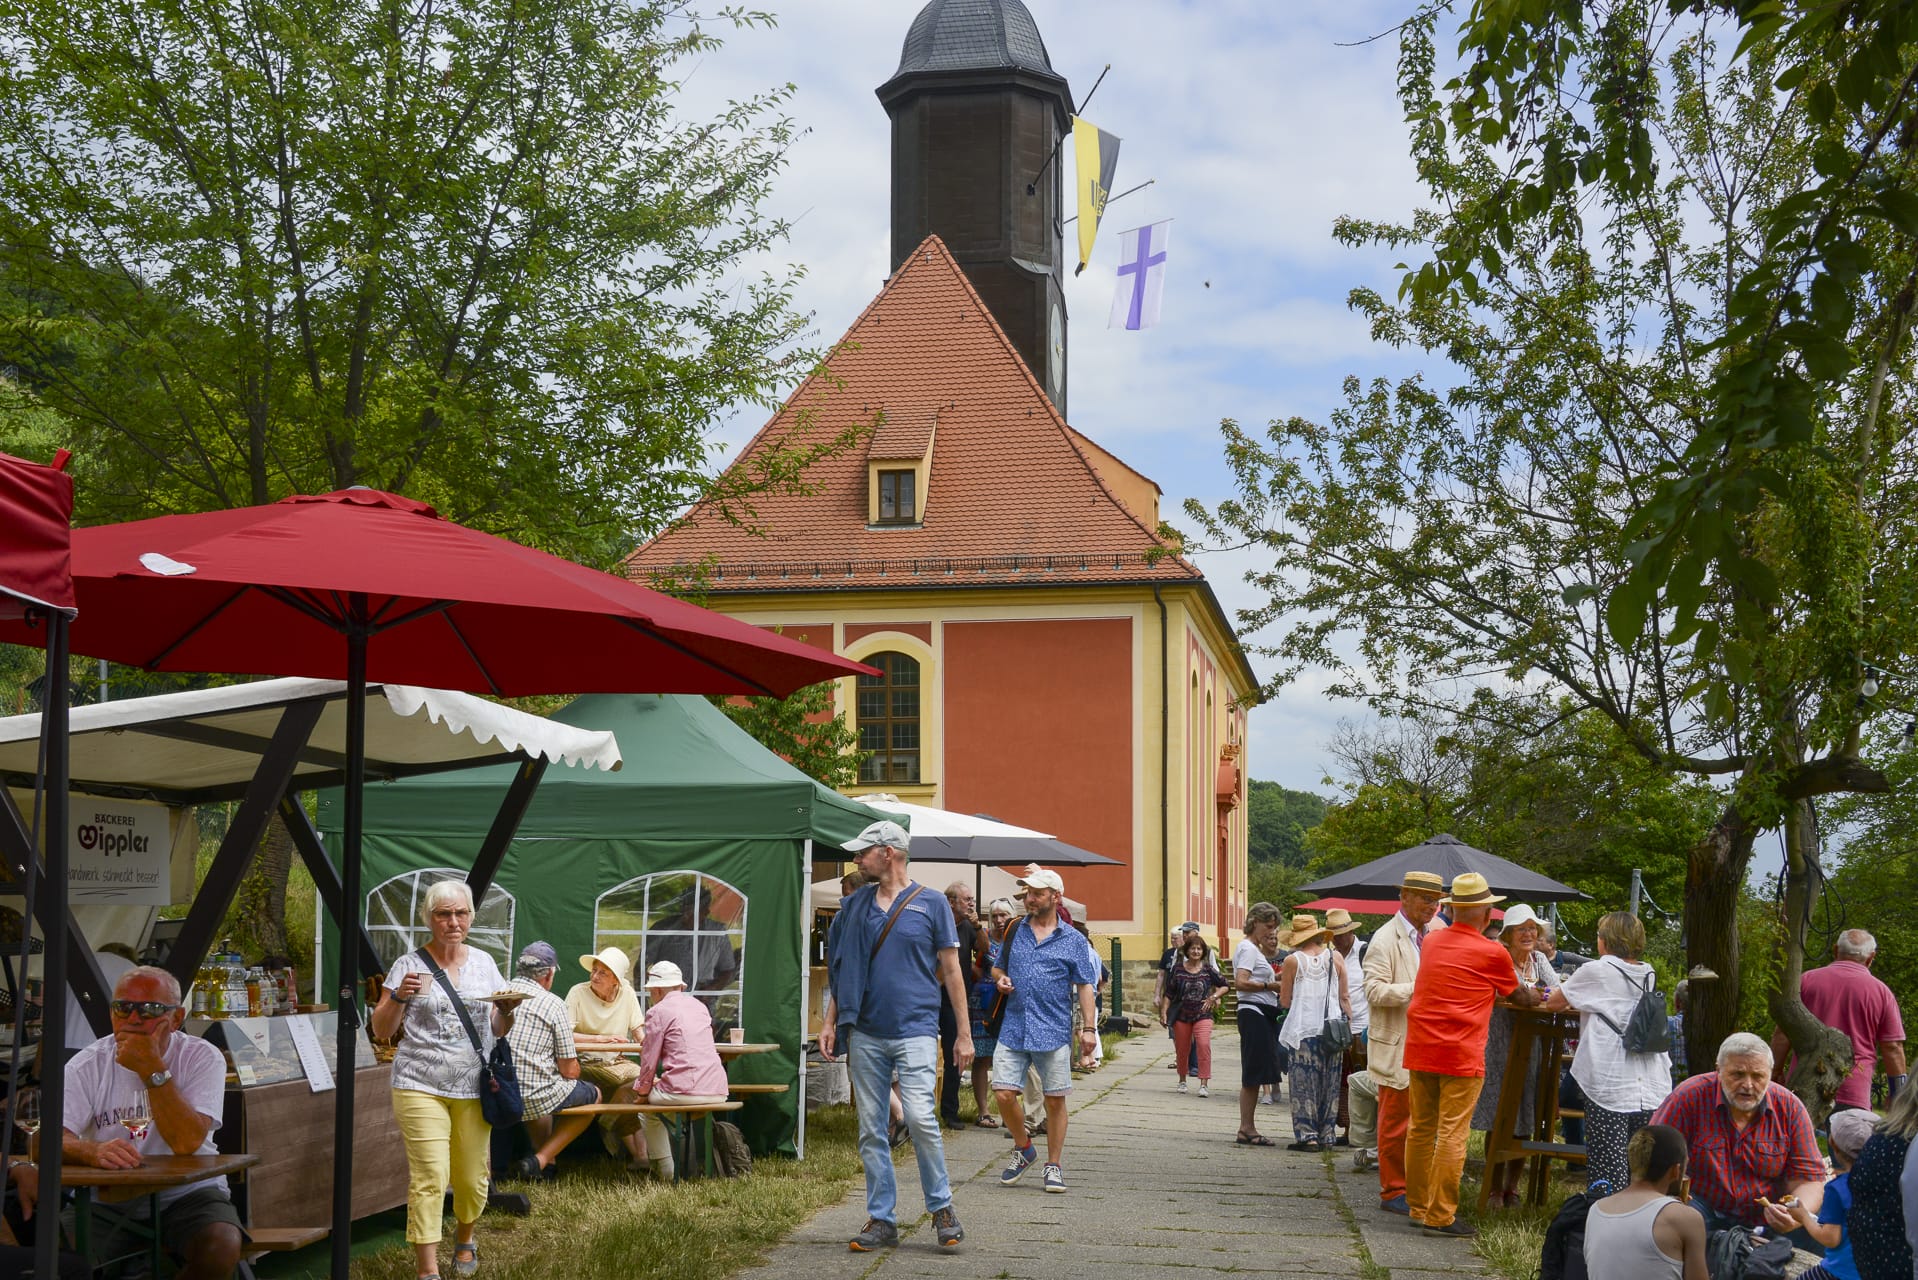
(1135, 302)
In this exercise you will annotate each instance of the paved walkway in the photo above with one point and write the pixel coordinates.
(1157, 1188)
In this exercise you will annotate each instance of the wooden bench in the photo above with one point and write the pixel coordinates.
(742, 1090)
(261, 1241)
(684, 1165)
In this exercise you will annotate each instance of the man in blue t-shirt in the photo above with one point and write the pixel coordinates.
(892, 948)
(1043, 963)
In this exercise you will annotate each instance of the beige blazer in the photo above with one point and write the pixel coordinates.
(1391, 967)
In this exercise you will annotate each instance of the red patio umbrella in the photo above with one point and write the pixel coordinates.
(361, 584)
(36, 594)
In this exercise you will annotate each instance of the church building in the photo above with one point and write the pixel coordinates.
(1045, 657)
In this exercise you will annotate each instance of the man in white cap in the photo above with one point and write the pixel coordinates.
(1043, 965)
(892, 948)
(678, 1065)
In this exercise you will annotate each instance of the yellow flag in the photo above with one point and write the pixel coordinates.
(1096, 153)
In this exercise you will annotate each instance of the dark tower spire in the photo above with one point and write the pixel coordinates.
(977, 111)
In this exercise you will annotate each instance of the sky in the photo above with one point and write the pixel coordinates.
(1259, 123)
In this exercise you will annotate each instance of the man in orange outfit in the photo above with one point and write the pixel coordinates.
(1461, 971)
(1391, 965)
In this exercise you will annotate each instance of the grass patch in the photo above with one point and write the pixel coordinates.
(598, 1223)
(1510, 1240)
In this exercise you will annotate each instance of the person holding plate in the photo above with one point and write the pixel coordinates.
(436, 1073)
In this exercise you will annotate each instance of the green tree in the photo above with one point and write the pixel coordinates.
(1471, 544)
(470, 251)
(1276, 820)
(804, 731)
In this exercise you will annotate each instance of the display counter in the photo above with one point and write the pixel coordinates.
(273, 1111)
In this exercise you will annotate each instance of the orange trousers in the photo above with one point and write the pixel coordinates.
(1435, 1144)
(1395, 1113)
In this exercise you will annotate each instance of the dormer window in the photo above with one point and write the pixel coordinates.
(896, 504)
(898, 466)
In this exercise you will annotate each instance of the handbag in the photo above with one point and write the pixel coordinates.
(992, 1012)
(499, 1095)
(1336, 1035)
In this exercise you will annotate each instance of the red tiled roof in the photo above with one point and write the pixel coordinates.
(902, 435)
(1010, 497)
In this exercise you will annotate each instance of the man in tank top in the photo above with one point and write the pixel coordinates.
(1648, 1231)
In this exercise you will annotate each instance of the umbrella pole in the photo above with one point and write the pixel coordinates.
(53, 1000)
(348, 918)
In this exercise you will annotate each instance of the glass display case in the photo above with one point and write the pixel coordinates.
(264, 1051)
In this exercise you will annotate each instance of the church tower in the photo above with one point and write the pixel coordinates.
(977, 113)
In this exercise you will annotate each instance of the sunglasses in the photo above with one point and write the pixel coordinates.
(144, 1008)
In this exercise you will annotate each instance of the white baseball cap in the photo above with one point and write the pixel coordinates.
(665, 974)
(1040, 878)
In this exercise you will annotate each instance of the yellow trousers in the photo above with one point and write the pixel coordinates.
(447, 1141)
(1435, 1144)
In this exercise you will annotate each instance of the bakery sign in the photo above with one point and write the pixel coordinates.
(118, 851)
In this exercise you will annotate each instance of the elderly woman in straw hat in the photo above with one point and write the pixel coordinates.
(1313, 987)
(606, 1015)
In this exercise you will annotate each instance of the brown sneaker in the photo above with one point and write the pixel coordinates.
(877, 1235)
(946, 1223)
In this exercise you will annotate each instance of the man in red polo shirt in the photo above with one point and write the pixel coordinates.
(1845, 995)
(1749, 1139)
(1461, 972)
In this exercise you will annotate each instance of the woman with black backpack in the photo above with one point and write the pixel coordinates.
(1623, 1069)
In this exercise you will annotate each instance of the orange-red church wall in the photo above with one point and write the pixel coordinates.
(1038, 725)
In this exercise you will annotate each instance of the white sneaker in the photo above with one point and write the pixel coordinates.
(1203, 1093)
(1181, 1086)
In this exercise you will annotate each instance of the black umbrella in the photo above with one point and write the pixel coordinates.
(1447, 856)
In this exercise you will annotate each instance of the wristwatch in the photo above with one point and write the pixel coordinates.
(158, 1079)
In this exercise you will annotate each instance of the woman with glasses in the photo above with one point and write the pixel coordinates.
(436, 1074)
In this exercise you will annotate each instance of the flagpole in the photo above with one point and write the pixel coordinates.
(1112, 200)
(1032, 187)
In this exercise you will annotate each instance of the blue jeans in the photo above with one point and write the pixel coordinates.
(871, 1065)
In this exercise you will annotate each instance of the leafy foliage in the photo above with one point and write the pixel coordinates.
(1480, 554)
(1277, 819)
(1572, 93)
(803, 730)
(467, 251)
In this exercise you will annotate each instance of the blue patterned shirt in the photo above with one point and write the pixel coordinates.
(1039, 1010)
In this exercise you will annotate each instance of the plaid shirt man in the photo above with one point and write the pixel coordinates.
(1731, 1170)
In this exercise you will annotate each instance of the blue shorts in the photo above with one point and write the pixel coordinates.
(585, 1093)
(1053, 1065)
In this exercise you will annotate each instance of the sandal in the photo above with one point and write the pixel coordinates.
(1256, 1140)
(989, 1122)
(466, 1259)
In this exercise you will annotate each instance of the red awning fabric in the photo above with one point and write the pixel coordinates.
(265, 591)
(36, 508)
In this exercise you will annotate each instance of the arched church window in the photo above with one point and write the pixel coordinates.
(696, 921)
(393, 917)
(888, 714)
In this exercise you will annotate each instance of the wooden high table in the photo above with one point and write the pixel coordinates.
(155, 1174)
(1548, 1032)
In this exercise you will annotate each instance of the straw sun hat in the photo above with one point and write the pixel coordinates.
(1305, 928)
(613, 958)
(1469, 889)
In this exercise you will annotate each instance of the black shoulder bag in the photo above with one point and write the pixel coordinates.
(499, 1095)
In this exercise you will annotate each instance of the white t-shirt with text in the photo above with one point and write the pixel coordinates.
(101, 1095)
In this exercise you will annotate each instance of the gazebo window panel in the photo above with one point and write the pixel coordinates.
(888, 707)
(696, 921)
(393, 917)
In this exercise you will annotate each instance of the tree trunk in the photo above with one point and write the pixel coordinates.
(1714, 875)
(261, 902)
(1823, 1054)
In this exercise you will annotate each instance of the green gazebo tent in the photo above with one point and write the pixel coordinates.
(699, 850)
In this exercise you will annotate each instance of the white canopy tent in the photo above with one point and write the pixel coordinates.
(232, 743)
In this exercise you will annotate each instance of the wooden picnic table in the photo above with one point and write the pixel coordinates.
(728, 1050)
(154, 1175)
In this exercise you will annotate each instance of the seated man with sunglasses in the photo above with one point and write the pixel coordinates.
(147, 1089)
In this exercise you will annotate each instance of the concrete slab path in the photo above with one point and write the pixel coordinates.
(1156, 1187)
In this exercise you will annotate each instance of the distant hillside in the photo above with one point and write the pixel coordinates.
(1277, 819)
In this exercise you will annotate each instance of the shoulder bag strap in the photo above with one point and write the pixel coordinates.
(1616, 1029)
(892, 918)
(459, 1005)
